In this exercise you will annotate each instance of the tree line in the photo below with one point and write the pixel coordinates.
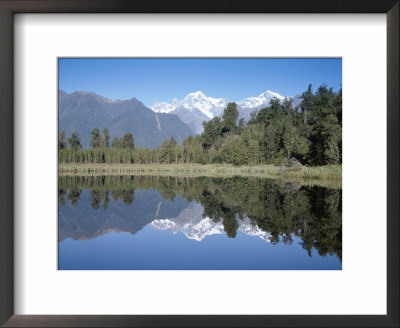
(311, 133)
(121, 150)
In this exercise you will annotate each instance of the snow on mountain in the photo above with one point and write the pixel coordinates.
(192, 224)
(209, 106)
(163, 107)
(260, 101)
(194, 101)
(196, 107)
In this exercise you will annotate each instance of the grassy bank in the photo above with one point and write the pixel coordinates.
(330, 176)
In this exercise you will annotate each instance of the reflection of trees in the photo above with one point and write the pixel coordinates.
(102, 197)
(105, 199)
(94, 199)
(121, 188)
(325, 232)
(61, 196)
(74, 195)
(127, 196)
(230, 225)
(313, 214)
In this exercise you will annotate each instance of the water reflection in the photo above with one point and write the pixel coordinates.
(276, 212)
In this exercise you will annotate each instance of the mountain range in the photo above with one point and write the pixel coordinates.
(82, 111)
(196, 107)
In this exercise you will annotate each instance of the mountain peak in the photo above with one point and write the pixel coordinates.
(197, 94)
(261, 101)
(93, 94)
(272, 94)
(196, 107)
(133, 100)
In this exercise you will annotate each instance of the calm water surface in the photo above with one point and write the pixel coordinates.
(165, 223)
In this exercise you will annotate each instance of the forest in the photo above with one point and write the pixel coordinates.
(310, 133)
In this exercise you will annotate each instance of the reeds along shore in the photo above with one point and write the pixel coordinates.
(329, 176)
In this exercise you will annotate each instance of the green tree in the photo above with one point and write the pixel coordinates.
(95, 138)
(127, 141)
(229, 118)
(241, 126)
(116, 143)
(75, 141)
(167, 150)
(230, 152)
(62, 144)
(324, 121)
(270, 144)
(289, 140)
(105, 139)
(307, 102)
(212, 130)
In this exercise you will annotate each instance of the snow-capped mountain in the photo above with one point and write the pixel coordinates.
(194, 101)
(196, 107)
(261, 101)
(192, 224)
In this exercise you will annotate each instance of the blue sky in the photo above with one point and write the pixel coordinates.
(154, 79)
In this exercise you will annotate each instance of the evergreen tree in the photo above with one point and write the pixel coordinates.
(289, 140)
(241, 126)
(62, 144)
(127, 141)
(75, 141)
(105, 139)
(307, 102)
(325, 131)
(270, 144)
(95, 138)
(167, 150)
(116, 143)
(229, 118)
(212, 130)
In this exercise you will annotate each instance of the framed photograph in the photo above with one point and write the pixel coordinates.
(187, 164)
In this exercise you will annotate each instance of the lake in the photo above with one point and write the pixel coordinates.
(202, 223)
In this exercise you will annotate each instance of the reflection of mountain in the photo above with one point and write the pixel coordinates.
(82, 222)
(277, 212)
(192, 224)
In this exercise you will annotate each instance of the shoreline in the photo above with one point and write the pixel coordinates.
(320, 175)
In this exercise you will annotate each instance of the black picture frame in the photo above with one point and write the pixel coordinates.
(10, 7)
